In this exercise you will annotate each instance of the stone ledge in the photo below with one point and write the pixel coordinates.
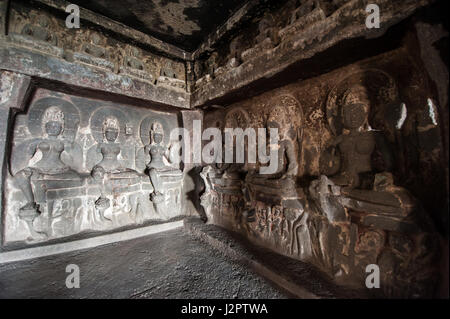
(346, 23)
(56, 249)
(300, 279)
(39, 65)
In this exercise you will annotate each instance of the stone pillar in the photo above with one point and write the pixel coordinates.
(190, 77)
(14, 92)
(192, 180)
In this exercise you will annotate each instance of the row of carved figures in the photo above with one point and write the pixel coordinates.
(348, 217)
(52, 167)
(93, 49)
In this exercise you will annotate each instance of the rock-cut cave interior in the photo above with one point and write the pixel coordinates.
(253, 149)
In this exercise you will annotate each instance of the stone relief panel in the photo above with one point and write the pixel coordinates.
(338, 199)
(79, 165)
(42, 32)
(274, 30)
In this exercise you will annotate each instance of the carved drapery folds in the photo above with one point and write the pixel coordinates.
(73, 171)
(334, 200)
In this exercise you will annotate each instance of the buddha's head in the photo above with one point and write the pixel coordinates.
(53, 121)
(43, 21)
(354, 116)
(157, 133)
(355, 107)
(277, 120)
(272, 124)
(111, 129)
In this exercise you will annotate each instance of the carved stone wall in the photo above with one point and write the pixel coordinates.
(45, 33)
(38, 43)
(351, 168)
(79, 165)
(292, 31)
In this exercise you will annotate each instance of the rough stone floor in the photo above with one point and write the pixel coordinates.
(164, 265)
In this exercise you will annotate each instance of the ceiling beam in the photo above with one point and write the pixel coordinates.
(229, 25)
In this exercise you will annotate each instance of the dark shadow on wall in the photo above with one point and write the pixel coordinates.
(198, 187)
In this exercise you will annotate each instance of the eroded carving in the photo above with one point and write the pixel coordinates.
(357, 144)
(266, 39)
(166, 178)
(81, 173)
(39, 28)
(48, 34)
(49, 172)
(350, 216)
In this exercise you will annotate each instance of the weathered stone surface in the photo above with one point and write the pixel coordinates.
(166, 265)
(298, 278)
(310, 35)
(79, 165)
(341, 223)
(39, 44)
(360, 175)
(14, 91)
(51, 68)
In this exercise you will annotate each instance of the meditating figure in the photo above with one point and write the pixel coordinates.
(50, 166)
(110, 150)
(40, 30)
(287, 164)
(356, 144)
(159, 165)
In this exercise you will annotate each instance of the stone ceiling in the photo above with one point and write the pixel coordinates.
(183, 23)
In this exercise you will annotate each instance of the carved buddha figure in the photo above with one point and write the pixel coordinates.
(156, 148)
(133, 60)
(40, 30)
(304, 9)
(95, 48)
(357, 144)
(211, 65)
(50, 166)
(287, 159)
(52, 148)
(168, 70)
(110, 149)
(159, 165)
(287, 166)
(234, 58)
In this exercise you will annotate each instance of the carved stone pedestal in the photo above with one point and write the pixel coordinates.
(168, 204)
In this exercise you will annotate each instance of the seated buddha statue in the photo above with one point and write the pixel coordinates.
(40, 30)
(356, 144)
(159, 165)
(110, 151)
(50, 166)
(287, 164)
